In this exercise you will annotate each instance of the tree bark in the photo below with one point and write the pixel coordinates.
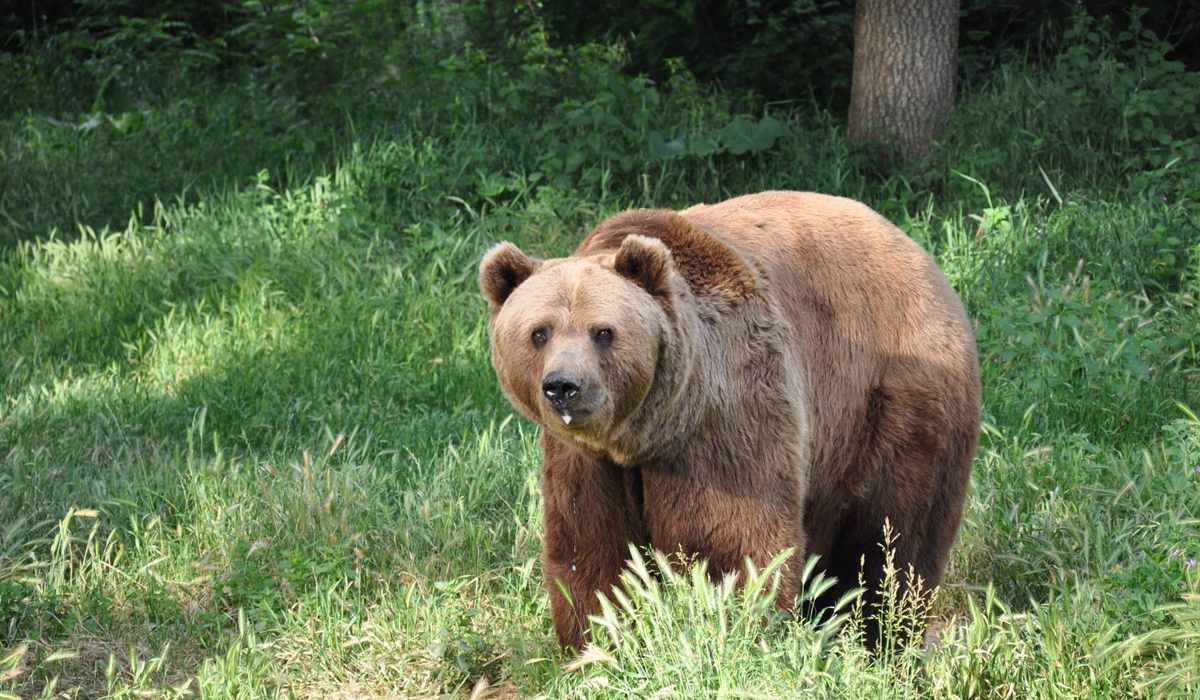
(905, 60)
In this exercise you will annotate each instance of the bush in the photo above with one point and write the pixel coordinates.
(1110, 113)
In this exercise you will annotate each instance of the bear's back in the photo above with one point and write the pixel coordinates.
(835, 260)
(871, 316)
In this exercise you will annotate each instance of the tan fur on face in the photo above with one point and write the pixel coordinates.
(571, 299)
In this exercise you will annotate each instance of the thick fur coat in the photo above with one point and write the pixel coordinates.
(778, 370)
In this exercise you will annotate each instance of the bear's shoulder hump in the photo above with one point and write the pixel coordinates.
(703, 258)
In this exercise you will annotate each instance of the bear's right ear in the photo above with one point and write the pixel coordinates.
(645, 261)
(503, 269)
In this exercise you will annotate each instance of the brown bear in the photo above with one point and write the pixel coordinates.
(779, 370)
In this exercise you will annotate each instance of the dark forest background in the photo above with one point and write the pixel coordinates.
(779, 49)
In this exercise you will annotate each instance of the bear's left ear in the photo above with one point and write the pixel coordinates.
(503, 269)
(645, 261)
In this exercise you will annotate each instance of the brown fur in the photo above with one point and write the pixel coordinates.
(786, 370)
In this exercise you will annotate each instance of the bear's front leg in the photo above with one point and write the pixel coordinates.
(592, 515)
(726, 510)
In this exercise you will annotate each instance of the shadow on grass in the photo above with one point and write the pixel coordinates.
(65, 174)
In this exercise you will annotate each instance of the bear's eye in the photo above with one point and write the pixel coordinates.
(603, 335)
(539, 337)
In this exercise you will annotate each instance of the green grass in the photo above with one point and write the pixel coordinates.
(251, 445)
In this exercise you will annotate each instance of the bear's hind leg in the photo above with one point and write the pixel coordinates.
(917, 465)
(892, 606)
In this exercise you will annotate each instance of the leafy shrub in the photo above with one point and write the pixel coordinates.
(263, 579)
(1127, 81)
(1110, 113)
(1071, 344)
(1178, 640)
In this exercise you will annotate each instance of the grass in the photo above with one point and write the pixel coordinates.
(251, 445)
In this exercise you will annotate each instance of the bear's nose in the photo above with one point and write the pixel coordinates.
(560, 388)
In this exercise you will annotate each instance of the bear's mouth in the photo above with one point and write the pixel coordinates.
(574, 417)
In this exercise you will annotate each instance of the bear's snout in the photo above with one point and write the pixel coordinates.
(561, 388)
(565, 393)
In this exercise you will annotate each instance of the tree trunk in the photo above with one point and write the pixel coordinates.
(905, 56)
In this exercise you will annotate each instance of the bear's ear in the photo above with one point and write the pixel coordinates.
(645, 261)
(503, 269)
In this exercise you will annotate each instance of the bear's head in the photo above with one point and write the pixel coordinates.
(581, 345)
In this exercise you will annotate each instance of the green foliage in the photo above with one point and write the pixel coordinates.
(783, 48)
(261, 582)
(1173, 648)
(28, 613)
(803, 49)
(1071, 346)
(741, 135)
(1108, 109)
(1129, 80)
